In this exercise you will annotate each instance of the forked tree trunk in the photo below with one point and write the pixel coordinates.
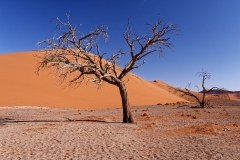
(127, 116)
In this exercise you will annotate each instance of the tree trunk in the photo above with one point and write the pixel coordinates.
(202, 104)
(203, 99)
(127, 116)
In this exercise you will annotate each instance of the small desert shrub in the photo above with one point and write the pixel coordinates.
(194, 117)
(145, 115)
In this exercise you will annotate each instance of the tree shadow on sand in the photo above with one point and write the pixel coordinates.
(4, 121)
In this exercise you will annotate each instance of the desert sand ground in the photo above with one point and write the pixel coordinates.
(160, 132)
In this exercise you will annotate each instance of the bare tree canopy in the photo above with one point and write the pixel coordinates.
(71, 53)
(203, 103)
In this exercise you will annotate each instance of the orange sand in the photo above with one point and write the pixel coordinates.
(19, 86)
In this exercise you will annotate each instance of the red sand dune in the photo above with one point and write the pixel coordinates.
(19, 86)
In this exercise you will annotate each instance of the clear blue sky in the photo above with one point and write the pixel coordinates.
(209, 37)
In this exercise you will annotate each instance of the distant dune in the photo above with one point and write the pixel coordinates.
(214, 95)
(234, 95)
(20, 86)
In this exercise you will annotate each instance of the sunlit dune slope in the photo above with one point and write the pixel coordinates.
(19, 86)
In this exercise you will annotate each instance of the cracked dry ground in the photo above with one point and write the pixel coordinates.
(160, 132)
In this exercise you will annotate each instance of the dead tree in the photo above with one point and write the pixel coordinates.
(203, 103)
(77, 55)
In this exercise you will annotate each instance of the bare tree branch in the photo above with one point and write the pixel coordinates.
(202, 102)
(75, 57)
(154, 42)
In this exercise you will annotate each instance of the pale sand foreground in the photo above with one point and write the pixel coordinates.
(161, 132)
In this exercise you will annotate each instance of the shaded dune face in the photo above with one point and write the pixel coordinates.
(20, 86)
